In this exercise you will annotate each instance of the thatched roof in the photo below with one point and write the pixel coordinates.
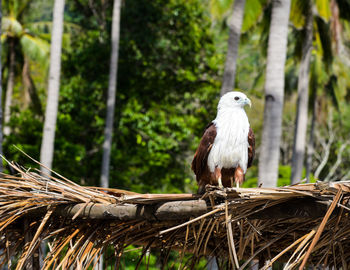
(301, 224)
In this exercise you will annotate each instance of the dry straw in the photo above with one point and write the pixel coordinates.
(305, 224)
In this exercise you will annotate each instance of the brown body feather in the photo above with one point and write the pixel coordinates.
(200, 161)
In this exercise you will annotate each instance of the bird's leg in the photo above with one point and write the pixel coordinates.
(239, 176)
(218, 176)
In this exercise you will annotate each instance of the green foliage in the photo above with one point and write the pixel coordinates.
(169, 74)
(34, 47)
(299, 10)
(25, 134)
(252, 12)
(323, 9)
(154, 261)
(297, 13)
(222, 9)
(219, 8)
(167, 80)
(284, 174)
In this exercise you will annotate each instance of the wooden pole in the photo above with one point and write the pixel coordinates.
(165, 211)
(181, 210)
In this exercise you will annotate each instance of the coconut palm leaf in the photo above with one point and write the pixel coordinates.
(323, 9)
(3, 37)
(324, 40)
(299, 10)
(29, 87)
(11, 27)
(252, 12)
(40, 27)
(331, 91)
(220, 8)
(35, 48)
(298, 40)
(16, 8)
(313, 82)
(253, 9)
(297, 13)
(46, 26)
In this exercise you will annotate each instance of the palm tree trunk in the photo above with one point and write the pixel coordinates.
(112, 90)
(47, 145)
(303, 101)
(30, 91)
(311, 143)
(10, 85)
(274, 94)
(235, 25)
(336, 27)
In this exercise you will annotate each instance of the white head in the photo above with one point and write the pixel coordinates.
(233, 100)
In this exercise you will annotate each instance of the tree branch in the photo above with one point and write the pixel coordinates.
(338, 161)
(326, 145)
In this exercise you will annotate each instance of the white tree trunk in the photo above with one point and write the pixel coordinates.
(47, 144)
(274, 94)
(235, 25)
(303, 100)
(112, 90)
(310, 146)
(9, 88)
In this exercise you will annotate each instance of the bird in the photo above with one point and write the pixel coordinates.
(227, 147)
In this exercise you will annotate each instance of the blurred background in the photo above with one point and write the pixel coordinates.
(170, 75)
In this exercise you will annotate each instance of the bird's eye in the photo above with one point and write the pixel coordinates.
(236, 98)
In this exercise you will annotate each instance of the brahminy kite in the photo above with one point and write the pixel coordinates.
(227, 146)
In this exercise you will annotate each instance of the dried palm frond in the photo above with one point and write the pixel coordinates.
(298, 225)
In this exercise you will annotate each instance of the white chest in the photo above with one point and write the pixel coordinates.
(230, 147)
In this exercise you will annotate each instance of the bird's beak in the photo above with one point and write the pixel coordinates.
(248, 102)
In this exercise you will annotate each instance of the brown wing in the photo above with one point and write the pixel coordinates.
(199, 162)
(251, 147)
